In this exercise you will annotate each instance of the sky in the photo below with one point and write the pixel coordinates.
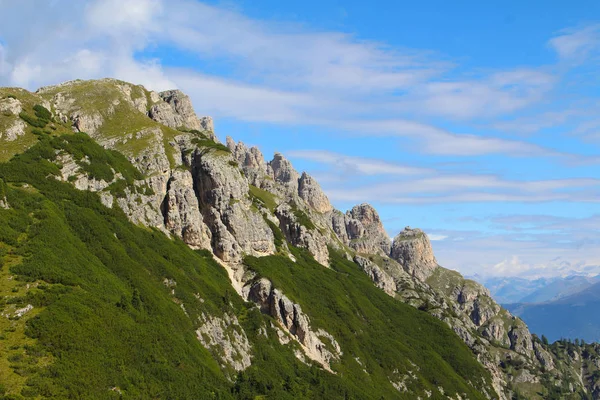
(476, 121)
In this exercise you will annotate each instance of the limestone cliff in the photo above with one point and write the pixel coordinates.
(229, 200)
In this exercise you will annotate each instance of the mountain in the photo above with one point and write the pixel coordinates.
(571, 316)
(510, 290)
(142, 258)
(560, 287)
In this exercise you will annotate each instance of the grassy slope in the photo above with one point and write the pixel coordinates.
(28, 100)
(103, 318)
(385, 334)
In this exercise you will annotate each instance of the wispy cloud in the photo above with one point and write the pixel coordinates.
(283, 73)
(576, 44)
(358, 165)
(445, 188)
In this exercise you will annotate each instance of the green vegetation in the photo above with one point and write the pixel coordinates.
(42, 112)
(104, 325)
(410, 237)
(302, 218)
(386, 335)
(33, 121)
(41, 119)
(277, 234)
(263, 198)
(210, 144)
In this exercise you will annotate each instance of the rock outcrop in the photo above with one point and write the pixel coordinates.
(291, 317)
(223, 197)
(300, 235)
(310, 191)
(412, 249)
(226, 339)
(14, 131)
(381, 278)
(10, 106)
(283, 173)
(176, 111)
(182, 211)
(366, 232)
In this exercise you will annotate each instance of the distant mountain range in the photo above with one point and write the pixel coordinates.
(561, 307)
(508, 290)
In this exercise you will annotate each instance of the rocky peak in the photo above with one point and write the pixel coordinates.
(365, 231)
(177, 111)
(250, 159)
(412, 249)
(310, 191)
(284, 173)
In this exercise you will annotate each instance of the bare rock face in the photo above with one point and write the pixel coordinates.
(310, 191)
(496, 332)
(300, 235)
(153, 162)
(543, 356)
(177, 111)
(16, 129)
(223, 194)
(182, 212)
(520, 339)
(366, 232)
(207, 125)
(10, 106)
(87, 122)
(291, 317)
(283, 173)
(250, 160)
(412, 249)
(381, 279)
(338, 225)
(226, 339)
(474, 300)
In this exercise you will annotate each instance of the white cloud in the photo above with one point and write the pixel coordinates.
(284, 73)
(453, 188)
(435, 237)
(575, 45)
(499, 93)
(117, 17)
(357, 165)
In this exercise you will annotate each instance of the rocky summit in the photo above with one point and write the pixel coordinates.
(143, 258)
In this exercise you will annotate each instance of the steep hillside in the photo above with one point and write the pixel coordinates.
(141, 258)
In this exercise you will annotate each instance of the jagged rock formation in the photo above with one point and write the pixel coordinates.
(182, 211)
(290, 316)
(412, 249)
(176, 111)
(310, 191)
(381, 278)
(365, 231)
(232, 202)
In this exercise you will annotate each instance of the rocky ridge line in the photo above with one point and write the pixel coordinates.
(225, 200)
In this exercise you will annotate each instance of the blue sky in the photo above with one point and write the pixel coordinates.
(477, 122)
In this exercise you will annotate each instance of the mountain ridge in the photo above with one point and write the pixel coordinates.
(252, 214)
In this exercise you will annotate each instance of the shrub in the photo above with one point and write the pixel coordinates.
(42, 112)
(35, 122)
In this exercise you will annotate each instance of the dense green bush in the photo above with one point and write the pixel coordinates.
(33, 121)
(42, 112)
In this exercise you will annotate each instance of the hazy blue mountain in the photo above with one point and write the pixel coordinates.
(559, 288)
(512, 289)
(573, 316)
